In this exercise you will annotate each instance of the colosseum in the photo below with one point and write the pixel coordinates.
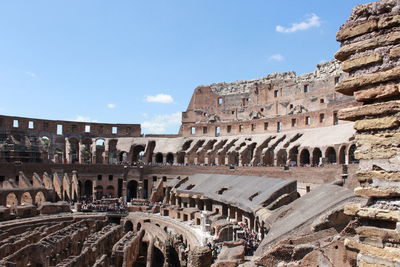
(284, 170)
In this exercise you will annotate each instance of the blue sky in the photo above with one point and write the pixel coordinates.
(128, 61)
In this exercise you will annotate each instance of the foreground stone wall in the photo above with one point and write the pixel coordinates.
(370, 53)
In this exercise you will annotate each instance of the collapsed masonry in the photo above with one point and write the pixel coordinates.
(370, 53)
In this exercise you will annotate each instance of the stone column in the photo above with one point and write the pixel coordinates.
(81, 149)
(106, 151)
(93, 150)
(370, 53)
(67, 153)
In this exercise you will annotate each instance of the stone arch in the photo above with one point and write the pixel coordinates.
(128, 226)
(281, 157)
(39, 197)
(181, 157)
(131, 189)
(293, 153)
(159, 158)
(99, 191)
(170, 158)
(158, 258)
(233, 158)
(88, 189)
(268, 158)
(74, 150)
(123, 156)
(110, 190)
(352, 158)
(26, 199)
(317, 155)
(136, 153)
(342, 155)
(305, 157)
(330, 155)
(11, 200)
(100, 149)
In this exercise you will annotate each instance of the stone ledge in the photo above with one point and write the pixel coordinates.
(348, 86)
(361, 61)
(379, 92)
(376, 153)
(365, 176)
(356, 30)
(377, 124)
(354, 113)
(381, 40)
(376, 192)
(386, 252)
(387, 235)
(380, 139)
(394, 52)
(372, 213)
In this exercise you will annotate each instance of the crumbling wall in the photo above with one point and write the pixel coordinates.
(370, 53)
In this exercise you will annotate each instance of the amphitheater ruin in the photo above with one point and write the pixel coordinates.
(285, 170)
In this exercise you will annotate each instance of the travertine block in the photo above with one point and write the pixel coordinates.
(377, 109)
(377, 124)
(356, 30)
(361, 61)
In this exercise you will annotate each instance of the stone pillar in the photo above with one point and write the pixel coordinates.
(106, 151)
(67, 154)
(94, 190)
(93, 150)
(81, 149)
(371, 55)
(200, 257)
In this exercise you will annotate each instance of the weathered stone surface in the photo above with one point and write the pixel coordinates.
(364, 176)
(355, 30)
(354, 113)
(394, 52)
(376, 153)
(382, 233)
(376, 192)
(386, 252)
(382, 139)
(377, 124)
(360, 46)
(361, 61)
(379, 92)
(350, 85)
(372, 213)
(390, 21)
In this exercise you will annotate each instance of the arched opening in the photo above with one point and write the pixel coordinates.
(233, 158)
(100, 148)
(131, 190)
(88, 188)
(99, 192)
(158, 258)
(112, 151)
(45, 145)
(137, 151)
(128, 226)
(293, 156)
(342, 155)
(11, 200)
(110, 191)
(317, 155)
(304, 157)
(268, 159)
(159, 158)
(281, 157)
(74, 150)
(39, 198)
(80, 188)
(330, 155)
(123, 156)
(138, 227)
(26, 199)
(170, 158)
(86, 151)
(181, 158)
(352, 158)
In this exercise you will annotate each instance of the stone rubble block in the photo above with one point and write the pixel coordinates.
(361, 61)
(377, 124)
(355, 113)
(348, 86)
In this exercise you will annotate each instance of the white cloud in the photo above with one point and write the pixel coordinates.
(160, 98)
(83, 119)
(32, 74)
(276, 57)
(312, 21)
(159, 123)
(111, 105)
